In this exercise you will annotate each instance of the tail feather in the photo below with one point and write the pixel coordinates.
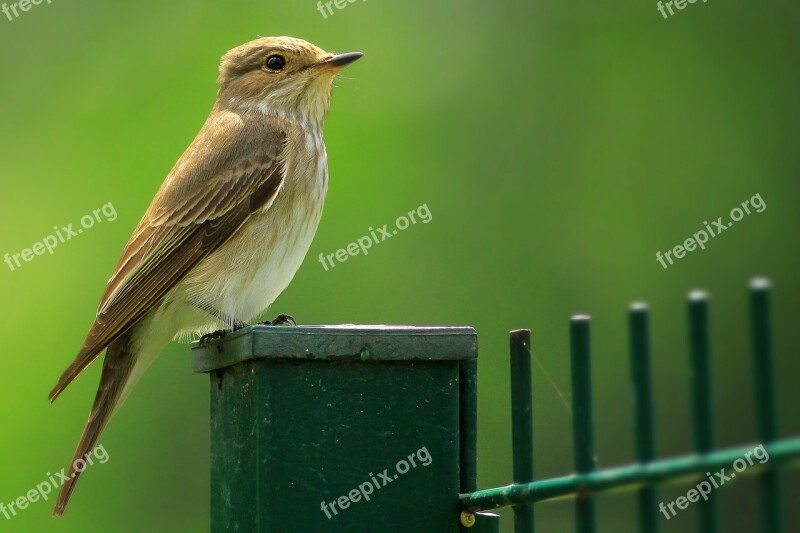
(72, 372)
(117, 367)
(85, 357)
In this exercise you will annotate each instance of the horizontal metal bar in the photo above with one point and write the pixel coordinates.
(677, 469)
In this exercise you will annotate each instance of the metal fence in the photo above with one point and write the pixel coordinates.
(648, 471)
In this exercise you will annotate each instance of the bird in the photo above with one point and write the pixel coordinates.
(228, 228)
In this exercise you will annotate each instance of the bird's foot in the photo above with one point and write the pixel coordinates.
(214, 335)
(280, 320)
(220, 333)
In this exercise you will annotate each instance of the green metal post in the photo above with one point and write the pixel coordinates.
(468, 436)
(469, 425)
(522, 422)
(337, 428)
(582, 418)
(702, 398)
(766, 405)
(643, 411)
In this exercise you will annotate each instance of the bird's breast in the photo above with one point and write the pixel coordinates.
(248, 272)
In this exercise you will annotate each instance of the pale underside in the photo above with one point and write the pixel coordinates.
(245, 275)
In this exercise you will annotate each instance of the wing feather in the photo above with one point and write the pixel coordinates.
(183, 225)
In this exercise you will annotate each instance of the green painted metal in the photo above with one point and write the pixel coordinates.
(644, 476)
(647, 497)
(468, 435)
(522, 422)
(469, 425)
(702, 398)
(343, 428)
(304, 419)
(582, 433)
(766, 405)
(686, 469)
(335, 343)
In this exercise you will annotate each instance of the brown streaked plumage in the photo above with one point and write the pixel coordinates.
(228, 228)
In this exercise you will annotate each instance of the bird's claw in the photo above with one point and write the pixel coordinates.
(280, 320)
(220, 333)
(214, 335)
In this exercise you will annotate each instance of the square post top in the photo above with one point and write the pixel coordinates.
(345, 342)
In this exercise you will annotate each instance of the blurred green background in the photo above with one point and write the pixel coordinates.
(558, 146)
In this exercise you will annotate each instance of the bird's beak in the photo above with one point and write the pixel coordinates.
(339, 61)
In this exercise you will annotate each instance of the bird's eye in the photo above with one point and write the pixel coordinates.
(275, 63)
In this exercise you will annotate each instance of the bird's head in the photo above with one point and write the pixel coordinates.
(282, 76)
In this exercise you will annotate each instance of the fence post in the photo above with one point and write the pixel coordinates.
(338, 428)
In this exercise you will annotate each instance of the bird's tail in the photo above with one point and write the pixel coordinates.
(117, 369)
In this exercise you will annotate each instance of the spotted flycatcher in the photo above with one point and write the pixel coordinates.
(228, 228)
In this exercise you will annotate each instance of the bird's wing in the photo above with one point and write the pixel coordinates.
(202, 202)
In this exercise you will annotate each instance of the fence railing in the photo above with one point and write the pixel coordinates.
(644, 475)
